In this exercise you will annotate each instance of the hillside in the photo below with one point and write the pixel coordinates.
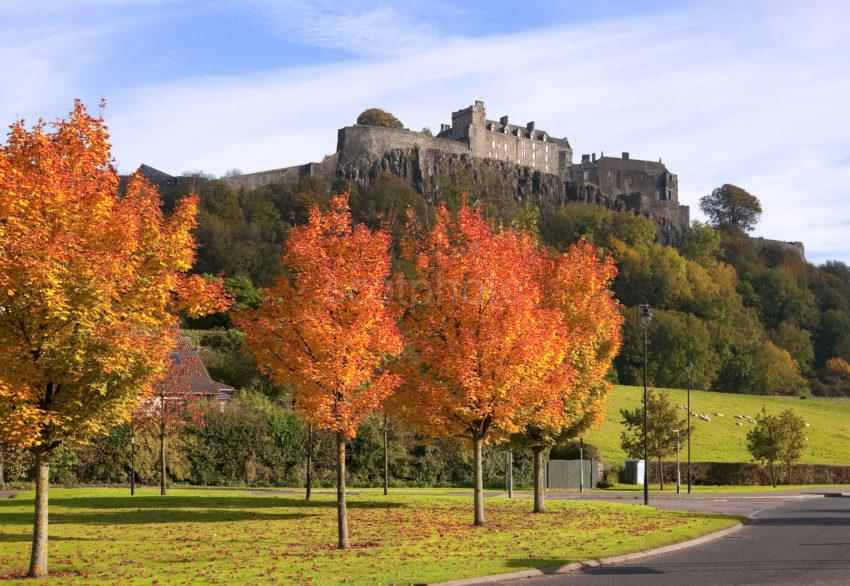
(720, 439)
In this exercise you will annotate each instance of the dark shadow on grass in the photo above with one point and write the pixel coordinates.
(6, 538)
(178, 509)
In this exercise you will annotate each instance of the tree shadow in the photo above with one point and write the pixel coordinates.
(177, 509)
(27, 538)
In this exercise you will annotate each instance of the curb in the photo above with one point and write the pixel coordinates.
(576, 566)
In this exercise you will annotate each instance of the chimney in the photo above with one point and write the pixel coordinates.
(530, 126)
(585, 158)
(503, 120)
(593, 157)
(625, 155)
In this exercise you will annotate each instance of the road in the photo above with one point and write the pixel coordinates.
(791, 540)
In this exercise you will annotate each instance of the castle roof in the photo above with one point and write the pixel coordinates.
(626, 164)
(154, 175)
(525, 132)
(631, 164)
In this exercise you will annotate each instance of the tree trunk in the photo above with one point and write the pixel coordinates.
(661, 474)
(342, 515)
(163, 486)
(38, 559)
(309, 460)
(386, 458)
(772, 475)
(2, 467)
(478, 474)
(539, 481)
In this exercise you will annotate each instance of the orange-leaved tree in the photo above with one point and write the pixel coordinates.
(485, 352)
(174, 403)
(326, 328)
(91, 281)
(576, 286)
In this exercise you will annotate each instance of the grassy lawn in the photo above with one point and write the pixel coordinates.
(106, 537)
(720, 440)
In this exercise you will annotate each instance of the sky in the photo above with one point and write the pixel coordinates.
(755, 93)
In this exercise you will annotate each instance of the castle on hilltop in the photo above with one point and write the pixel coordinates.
(523, 161)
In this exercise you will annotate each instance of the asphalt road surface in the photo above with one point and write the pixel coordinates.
(795, 540)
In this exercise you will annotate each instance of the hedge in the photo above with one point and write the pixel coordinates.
(750, 474)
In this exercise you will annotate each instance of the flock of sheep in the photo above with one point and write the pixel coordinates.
(743, 418)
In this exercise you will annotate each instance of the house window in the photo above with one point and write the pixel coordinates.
(547, 148)
(494, 144)
(586, 175)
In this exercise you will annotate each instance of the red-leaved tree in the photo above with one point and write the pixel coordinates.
(173, 405)
(326, 330)
(485, 350)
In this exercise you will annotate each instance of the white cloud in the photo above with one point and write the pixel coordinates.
(375, 27)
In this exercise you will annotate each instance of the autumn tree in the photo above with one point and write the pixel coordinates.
(732, 206)
(576, 286)
(662, 421)
(173, 405)
(485, 350)
(91, 281)
(326, 328)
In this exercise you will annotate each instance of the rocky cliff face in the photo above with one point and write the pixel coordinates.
(433, 173)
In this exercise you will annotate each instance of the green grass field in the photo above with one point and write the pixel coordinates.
(720, 440)
(104, 536)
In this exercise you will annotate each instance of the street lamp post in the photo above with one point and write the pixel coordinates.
(678, 470)
(689, 365)
(509, 474)
(644, 314)
(581, 464)
(132, 461)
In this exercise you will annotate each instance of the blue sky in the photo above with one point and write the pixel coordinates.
(752, 93)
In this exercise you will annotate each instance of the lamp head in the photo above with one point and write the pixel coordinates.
(689, 365)
(644, 315)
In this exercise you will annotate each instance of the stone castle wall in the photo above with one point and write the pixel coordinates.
(761, 243)
(428, 170)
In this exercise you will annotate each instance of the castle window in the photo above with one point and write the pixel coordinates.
(494, 144)
(547, 146)
(586, 175)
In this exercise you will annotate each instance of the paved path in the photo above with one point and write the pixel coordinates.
(797, 541)
(7, 494)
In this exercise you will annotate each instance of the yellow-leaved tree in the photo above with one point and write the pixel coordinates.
(91, 283)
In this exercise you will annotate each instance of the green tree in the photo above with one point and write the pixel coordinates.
(777, 438)
(702, 244)
(378, 117)
(663, 419)
(794, 440)
(798, 343)
(732, 205)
